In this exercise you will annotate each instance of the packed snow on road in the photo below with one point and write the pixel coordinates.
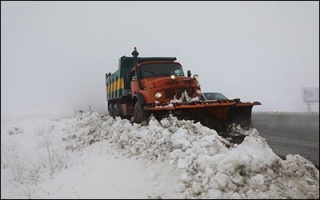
(89, 155)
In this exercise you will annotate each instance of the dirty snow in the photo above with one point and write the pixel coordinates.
(87, 155)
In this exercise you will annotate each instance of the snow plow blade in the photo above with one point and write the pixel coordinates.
(218, 116)
(215, 115)
(240, 113)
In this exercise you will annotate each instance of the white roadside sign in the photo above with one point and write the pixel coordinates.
(310, 95)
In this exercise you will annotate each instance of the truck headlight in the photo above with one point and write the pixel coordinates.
(198, 92)
(158, 95)
(173, 77)
(196, 76)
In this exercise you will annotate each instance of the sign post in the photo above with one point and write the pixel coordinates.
(310, 95)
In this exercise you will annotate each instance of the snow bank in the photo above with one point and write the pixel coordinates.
(210, 166)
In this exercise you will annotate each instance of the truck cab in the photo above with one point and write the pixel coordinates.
(163, 82)
(157, 83)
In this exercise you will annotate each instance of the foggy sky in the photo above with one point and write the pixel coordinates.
(54, 55)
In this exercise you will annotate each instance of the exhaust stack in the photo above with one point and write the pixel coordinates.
(135, 54)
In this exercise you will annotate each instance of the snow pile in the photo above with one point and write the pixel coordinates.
(210, 166)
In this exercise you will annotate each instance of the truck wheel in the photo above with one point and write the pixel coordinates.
(110, 109)
(116, 110)
(139, 114)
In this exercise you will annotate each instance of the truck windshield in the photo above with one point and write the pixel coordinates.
(161, 69)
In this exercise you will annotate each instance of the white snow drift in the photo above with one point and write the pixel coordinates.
(36, 153)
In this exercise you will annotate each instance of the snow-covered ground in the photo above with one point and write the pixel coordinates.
(88, 155)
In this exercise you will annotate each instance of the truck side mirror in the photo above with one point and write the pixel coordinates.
(189, 73)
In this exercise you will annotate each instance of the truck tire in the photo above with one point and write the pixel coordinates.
(139, 114)
(110, 109)
(116, 110)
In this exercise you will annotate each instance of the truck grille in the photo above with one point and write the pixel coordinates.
(170, 93)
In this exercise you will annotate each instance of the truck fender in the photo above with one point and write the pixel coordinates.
(138, 97)
(139, 114)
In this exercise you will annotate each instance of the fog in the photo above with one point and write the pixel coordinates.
(54, 55)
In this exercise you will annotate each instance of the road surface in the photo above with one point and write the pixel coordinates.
(289, 133)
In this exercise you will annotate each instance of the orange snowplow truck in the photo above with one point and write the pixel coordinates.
(157, 85)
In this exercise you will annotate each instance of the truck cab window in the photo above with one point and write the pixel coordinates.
(161, 69)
